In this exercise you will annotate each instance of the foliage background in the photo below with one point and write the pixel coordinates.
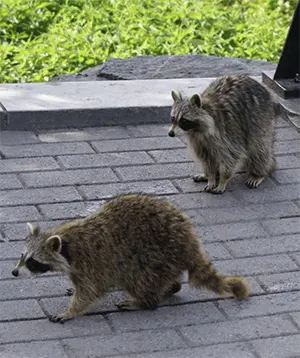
(40, 39)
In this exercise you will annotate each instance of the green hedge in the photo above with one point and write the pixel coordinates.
(41, 39)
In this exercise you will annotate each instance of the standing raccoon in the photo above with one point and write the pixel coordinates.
(229, 127)
(134, 242)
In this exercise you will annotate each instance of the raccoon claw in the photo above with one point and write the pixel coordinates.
(253, 183)
(58, 318)
(208, 188)
(214, 190)
(70, 291)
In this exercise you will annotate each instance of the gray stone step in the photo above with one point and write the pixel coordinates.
(54, 105)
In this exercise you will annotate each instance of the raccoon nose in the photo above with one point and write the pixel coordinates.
(171, 134)
(15, 272)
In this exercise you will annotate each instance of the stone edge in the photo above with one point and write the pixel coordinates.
(85, 117)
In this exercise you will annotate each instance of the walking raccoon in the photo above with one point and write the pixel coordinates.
(229, 127)
(134, 242)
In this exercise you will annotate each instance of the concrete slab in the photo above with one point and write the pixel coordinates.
(78, 104)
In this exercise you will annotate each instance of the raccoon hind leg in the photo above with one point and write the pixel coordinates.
(261, 164)
(147, 293)
(147, 302)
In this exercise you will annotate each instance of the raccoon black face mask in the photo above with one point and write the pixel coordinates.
(35, 267)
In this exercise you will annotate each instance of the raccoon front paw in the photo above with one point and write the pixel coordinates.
(199, 178)
(61, 318)
(217, 190)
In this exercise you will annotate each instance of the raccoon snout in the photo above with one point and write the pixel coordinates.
(171, 134)
(15, 272)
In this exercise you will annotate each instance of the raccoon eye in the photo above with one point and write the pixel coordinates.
(172, 119)
(184, 123)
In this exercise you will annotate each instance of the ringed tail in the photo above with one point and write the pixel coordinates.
(204, 274)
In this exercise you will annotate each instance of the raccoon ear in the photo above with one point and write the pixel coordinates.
(176, 95)
(195, 100)
(54, 243)
(33, 230)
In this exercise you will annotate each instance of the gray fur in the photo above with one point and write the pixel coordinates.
(230, 127)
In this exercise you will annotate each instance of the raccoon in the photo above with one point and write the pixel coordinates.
(137, 243)
(230, 127)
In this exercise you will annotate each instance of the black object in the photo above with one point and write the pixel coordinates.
(286, 80)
